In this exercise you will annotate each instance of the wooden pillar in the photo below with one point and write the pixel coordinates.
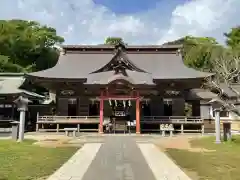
(57, 127)
(138, 115)
(217, 126)
(37, 125)
(202, 129)
(101, 114)
(182, 129)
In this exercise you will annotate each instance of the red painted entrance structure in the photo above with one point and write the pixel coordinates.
(108, 96)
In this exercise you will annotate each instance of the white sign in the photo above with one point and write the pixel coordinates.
(166, 127)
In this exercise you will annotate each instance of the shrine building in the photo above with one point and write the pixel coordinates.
(137, 86)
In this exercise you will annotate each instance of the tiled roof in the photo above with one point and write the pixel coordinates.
(77, 65)
(12, 87)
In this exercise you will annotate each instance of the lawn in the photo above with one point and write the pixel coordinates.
(25, 161)
(221, 164)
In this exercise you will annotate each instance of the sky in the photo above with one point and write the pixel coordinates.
(136, 21)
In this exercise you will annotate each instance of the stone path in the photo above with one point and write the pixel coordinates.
(160, 164)
(119, 158)
(77, 165)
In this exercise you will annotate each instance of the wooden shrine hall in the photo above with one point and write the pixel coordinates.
(123, 85)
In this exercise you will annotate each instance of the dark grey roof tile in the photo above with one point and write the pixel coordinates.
(110, 76)
(160, 65)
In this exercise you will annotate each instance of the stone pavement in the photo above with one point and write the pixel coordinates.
(161, 165)
(119, 158)
(77, 165)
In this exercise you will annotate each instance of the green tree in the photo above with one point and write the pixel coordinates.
(113, 40)
(7, 66)
(198, 52)
(28, 46)
(233, 38)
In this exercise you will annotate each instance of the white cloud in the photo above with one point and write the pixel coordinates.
(83, 22)
(203, 18)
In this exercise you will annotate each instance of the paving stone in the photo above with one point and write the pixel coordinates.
(161, 165)
(78, 163)
(119, 158)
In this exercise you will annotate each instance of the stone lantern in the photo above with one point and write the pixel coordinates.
(226, 125)
(22, 105)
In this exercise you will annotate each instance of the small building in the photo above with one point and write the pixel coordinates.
(11, 88)
(143, 86)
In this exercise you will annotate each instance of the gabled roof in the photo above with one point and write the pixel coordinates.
(75, 66)
(81, 62)
(108, 77)
(12, 87)
(119, 60)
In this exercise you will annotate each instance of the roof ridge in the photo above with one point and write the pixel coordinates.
(79, 46)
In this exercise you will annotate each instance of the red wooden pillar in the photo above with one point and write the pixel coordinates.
(101, 113)
(138, 115)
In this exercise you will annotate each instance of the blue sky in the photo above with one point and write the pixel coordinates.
(136, 21)
(129, 6)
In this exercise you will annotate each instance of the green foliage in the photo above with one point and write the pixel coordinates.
(233, 38)
(28, 45)
(113, 40)
(199, 52)
(7, 66)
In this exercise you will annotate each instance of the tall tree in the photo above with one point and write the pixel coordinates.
(198, 52)
(113, 40)
(233, 38)
(28, 45)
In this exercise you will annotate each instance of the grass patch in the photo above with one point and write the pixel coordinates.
(25, 161)
(222, 164)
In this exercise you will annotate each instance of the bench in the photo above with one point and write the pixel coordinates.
(73, 130)
(166, 127)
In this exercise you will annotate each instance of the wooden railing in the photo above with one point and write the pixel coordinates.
(61, 119)
(157, 119)
(172, 119)
(82, 122)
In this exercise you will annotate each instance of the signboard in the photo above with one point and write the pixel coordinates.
(120, 113)
(67, 92)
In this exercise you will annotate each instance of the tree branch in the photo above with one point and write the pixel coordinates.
(227, 68)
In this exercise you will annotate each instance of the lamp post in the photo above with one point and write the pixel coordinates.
(22, 104)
